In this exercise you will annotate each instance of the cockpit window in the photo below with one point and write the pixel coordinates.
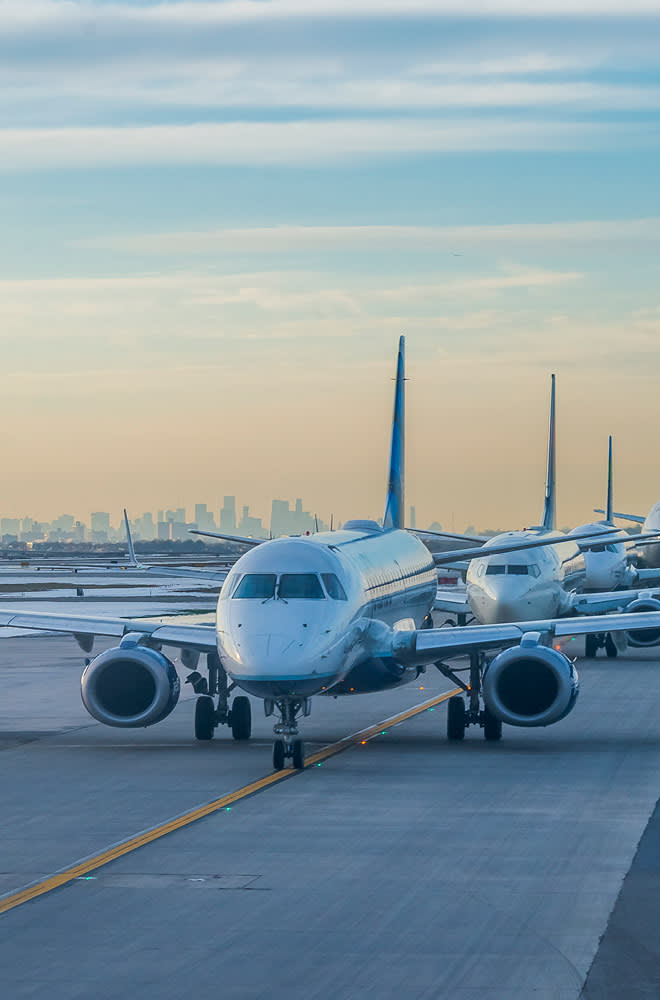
(495, 569)
(258, 586)
(517, 570)
(334, 587)
(300, 586)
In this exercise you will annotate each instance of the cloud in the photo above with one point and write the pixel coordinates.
(371, 239)
(295, 142)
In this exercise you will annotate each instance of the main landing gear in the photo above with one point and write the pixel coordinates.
(288, 748)
(460, 715)
(208, 714)
(600, 640)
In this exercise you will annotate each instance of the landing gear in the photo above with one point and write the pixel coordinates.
(208, 715)
(428, 622)
(455, 718)
(204, 718)
(278, 755)
(610, 647)
(289, 710)
(591, 645)
(460, 715)
(241, 718)
(492, 727)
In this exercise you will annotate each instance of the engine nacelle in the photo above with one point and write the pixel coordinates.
(646, 636)
(530, 685)
(130, 686)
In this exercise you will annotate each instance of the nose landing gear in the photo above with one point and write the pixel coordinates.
(288, 748)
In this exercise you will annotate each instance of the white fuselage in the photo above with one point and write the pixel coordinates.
(525, 585)
(651, 553)
(299, 616)
(607, 565)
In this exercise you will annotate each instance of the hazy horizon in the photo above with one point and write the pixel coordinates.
(218, 218)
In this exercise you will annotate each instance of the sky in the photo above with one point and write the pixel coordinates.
(218, 217)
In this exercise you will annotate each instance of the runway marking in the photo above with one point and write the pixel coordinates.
(66, 875)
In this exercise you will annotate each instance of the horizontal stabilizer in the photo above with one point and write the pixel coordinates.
(636, 518)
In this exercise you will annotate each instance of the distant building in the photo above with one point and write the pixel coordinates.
(163, 531)
(284, 521)
(228, 515)
(413, 518)
(204, 517)
(144, 527)
(10, 526)
(180, 531)
(250, 526)
(99, 523)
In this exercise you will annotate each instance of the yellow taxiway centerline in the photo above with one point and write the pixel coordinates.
(14, 899)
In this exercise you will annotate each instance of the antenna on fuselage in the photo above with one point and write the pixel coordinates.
(549, 503)
(395, 501)
(609, 505)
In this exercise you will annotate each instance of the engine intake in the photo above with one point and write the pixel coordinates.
(646, 636)
(530, 685)
(130, 686)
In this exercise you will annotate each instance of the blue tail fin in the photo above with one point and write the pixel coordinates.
(549, 503)
(609, 505)
(395, 503)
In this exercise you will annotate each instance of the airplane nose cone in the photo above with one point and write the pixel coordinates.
(503, 599)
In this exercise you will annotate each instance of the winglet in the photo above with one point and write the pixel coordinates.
(132, 561)
(549, 503)
(609, 506)
(395, 502)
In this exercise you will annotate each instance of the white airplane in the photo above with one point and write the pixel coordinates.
(551, 582)
(650, 524)
(334, 613)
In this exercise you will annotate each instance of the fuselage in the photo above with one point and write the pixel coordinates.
(607, 565)
(301, 616)
(525, 585)
(651, 553)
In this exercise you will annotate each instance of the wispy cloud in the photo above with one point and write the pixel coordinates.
(291, 238)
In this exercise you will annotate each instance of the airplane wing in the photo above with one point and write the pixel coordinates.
(636, 518)
(430, 645)
(647, 574)
(534, 541)
(199, 637)
(228, 538)
(449, 534)
(614, 600)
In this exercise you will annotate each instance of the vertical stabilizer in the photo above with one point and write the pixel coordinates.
(609, 505)
(132, 561)
(549, 504)
(395, 503)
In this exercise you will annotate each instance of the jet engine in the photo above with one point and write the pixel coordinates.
(646, 636)
(130, 686)
(530, 685)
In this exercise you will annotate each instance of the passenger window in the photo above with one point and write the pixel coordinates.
(334, 587)
(256, 586)
(300, 586)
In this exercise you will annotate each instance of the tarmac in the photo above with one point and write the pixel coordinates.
(402, 866)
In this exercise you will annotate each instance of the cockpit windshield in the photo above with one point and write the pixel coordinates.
(258, 586)
(300, 586)
(495, 569)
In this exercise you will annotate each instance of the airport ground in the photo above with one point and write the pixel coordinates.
(401, 867)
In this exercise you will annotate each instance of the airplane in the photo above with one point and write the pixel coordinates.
(334, 613)
(650, 524)
(552, 582)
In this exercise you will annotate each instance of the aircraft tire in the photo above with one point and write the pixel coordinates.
(455, 718)
(204, 718)
(610, 648)
(492, 727)
(278, 755)
(590, 646)
(298, 755)
(241, 718)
